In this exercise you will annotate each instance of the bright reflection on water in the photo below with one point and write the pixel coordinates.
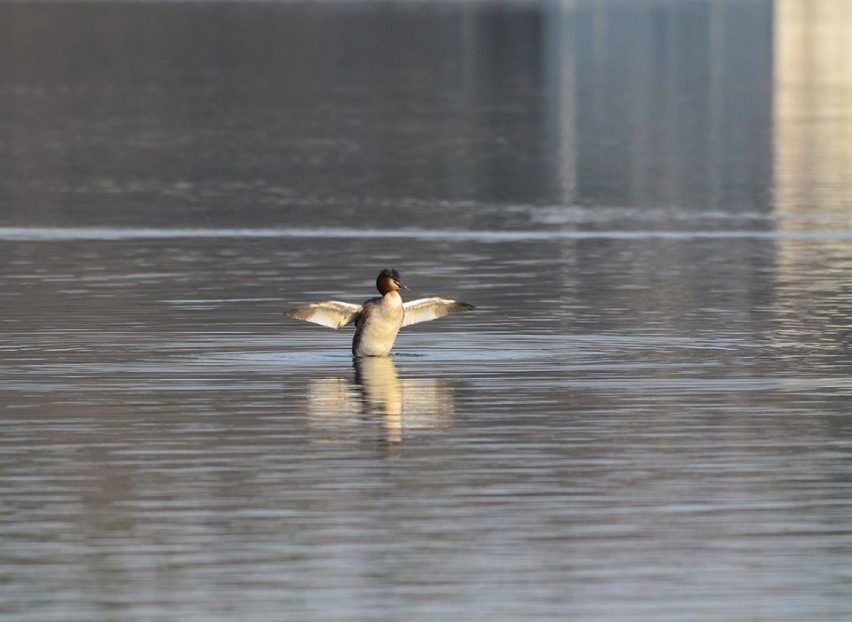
(647, 417)
(377, 393)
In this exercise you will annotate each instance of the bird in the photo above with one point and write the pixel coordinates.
(378, 320)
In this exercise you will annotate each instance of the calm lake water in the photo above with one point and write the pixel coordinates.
(648, 417)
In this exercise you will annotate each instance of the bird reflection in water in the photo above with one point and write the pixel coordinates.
(402, 405)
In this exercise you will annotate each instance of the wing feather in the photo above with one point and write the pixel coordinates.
(331, 313)
(426, 309)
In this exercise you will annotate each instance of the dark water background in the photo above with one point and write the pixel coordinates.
(648, 417)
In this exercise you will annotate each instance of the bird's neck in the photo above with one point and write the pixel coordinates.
(392, 298)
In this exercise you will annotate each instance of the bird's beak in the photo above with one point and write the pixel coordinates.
(401, 285)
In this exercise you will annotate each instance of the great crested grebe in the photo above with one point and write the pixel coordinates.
(379, 319)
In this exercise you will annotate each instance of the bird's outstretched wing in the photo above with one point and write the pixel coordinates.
(329, 313)
(426, 309)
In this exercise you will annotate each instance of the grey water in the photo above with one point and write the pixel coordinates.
(648, 416)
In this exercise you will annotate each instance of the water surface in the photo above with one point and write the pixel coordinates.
(647, 417)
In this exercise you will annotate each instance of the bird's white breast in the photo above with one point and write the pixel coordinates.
(380, 328)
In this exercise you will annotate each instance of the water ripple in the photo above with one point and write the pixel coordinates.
(68, 234)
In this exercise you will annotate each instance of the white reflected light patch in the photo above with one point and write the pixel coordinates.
(69, 234)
